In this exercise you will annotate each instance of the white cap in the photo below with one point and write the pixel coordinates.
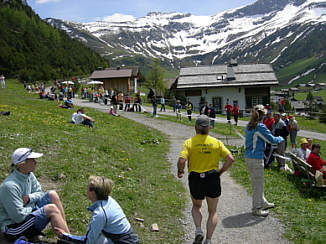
(21, 154)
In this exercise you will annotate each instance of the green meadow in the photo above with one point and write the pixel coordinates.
(116, 148)
(128, 154)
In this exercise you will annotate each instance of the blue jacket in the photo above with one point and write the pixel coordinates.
(12, 190)
(107, 216)
(255, 141)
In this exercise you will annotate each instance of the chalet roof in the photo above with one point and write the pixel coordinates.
(225, 76)
(298, 104)
(115, 73)
(135, 69)
(318, 98)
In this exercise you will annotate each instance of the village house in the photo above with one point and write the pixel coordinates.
(298, 106)
(120, 79)
(244, 84)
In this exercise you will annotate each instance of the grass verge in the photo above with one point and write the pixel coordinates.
(219, 128)
(123, 151)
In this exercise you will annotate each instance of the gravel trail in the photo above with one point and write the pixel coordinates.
(235, 221)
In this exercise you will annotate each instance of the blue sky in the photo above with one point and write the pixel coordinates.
(91, 10)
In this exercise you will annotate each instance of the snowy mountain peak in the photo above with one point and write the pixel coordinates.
(245, 32)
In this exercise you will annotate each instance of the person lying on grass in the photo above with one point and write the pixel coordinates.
(25, 210)
(108, 223)
(81, 118)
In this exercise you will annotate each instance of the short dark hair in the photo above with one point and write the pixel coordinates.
(314, 146)
(202, 130)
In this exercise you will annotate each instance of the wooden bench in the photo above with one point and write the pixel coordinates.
(305, 169)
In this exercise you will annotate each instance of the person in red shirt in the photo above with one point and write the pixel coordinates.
(269, 121)
(235, 111)
(228, 108)
(315, 160)
(127, 102)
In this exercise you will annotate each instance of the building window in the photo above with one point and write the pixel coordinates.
(193, 93)
(251, 101)
(217, 104)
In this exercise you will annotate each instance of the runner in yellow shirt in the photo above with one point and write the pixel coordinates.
(203, 153)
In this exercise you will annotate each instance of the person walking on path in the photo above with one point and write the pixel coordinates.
(203, 153)
(25, 210)
(204, 109)
(256, 134)
(173, 103)
(189, 108)
(233, 206)
(178, 108)
(3, 83)
(212, 115)
(154, 103)
(235, 111)
(293, 129)
(162, 101)
(228, 108)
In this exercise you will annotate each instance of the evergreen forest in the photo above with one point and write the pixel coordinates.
(31, 49)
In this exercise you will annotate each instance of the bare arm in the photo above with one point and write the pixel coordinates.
(228, 162)
(181, 167)
(89, 118)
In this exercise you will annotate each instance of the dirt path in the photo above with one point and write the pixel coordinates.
(235, 222)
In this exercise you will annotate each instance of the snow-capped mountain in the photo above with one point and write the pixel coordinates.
(262, 31)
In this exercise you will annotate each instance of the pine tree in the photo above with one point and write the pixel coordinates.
(155, 78)
(322, 117)
(310, 100)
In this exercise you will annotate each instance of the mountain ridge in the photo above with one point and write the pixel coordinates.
(258, 32)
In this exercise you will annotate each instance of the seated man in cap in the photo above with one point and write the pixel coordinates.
(203, 153)
(303, 152)
(24, 209)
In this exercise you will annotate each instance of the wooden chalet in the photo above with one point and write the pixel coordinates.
(120, 79)
(244, 84)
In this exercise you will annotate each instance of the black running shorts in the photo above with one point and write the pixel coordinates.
(204, 185)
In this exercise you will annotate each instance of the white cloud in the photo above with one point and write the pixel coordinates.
(46, 1)
(119, 18)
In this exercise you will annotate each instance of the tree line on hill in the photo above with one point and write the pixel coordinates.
(31, 49)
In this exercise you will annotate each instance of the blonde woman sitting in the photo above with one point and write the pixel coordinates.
(108, 223)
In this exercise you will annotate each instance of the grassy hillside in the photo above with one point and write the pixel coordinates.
(116, 148)
(303, 95)
(299, 67)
